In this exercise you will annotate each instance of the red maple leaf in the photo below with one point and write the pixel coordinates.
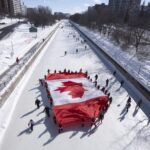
(75, 89)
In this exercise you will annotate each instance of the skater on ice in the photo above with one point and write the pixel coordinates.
(37, 103)
(96, 77)
(107, 82)
(30, 125)
(41, 82)
(47, 111)
(76, 50)
(48, 71)
(65, 53)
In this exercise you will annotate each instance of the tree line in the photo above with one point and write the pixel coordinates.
(42, 16)
(126, 29)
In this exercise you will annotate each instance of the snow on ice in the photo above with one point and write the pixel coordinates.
(117, 132)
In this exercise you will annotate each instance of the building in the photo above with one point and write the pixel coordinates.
(11, 7)
(123, 6)
(4, 6)
(15, 7)
(24, 9)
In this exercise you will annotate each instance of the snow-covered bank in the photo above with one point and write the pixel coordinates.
(7, 110)
(18, 43)
(8, 81)
(139, 69)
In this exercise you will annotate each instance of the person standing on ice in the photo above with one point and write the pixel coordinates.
(121, 83)
(107, 81)
(95, 83)
(47, 111)
(96, 77)
(65, 53)
(76, 50)
(48, 71)
(128, 105)
(41, 81)
(110, 100)
(93, 122)
(17, 60)
(103, 89)
(129, 100)
(60, 128)
(37, 103)
(30, 125)
(101, 117)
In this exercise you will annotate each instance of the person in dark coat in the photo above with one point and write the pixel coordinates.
(114, 73)
(98, 87)
(30, 125)
(80, 70)
(65, 70)
(105, 92)
(128, 105)
(86, 73)
(129, 100)
(95, 83)
(101, 117)
(48, 71)
(107, 81)
(121, 83)
(77, 50)
(37, 103)
(17, 60)
(88, 77)
(96, 77)
(108, 94)
(103, 89)
(60, 128)
(65, 52)
(110, 100)
(47, 111)
(93, 122)
(41, 81)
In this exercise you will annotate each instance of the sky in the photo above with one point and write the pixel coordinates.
(66, 6)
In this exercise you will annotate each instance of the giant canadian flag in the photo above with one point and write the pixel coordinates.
(75, 98)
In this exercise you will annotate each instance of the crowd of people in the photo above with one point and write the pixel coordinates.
(94, 120)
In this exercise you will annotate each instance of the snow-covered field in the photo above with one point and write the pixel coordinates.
(18, 43)
(140, 68)
(119, 131)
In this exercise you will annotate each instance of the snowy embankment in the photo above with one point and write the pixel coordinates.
(18, 43)
(7, 109)
(10, 77)
(139, 69)
(5, 22)
(118, 131)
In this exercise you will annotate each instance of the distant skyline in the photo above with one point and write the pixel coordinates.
(66, 6)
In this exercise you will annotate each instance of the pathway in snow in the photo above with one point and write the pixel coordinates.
(119, 131)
